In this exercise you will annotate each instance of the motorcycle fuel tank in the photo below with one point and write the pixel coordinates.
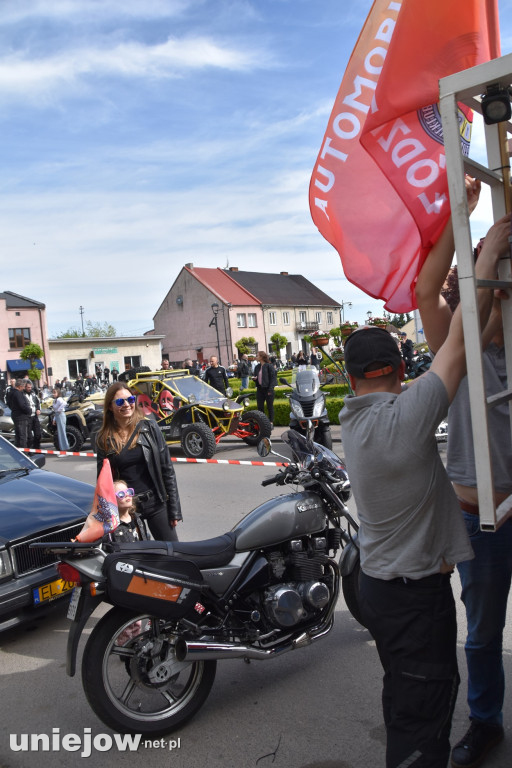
(280, 519)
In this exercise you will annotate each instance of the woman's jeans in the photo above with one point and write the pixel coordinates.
(485, 588)
(60, 420)
(155, 514)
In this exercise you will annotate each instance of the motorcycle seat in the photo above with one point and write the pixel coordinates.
(210, 553)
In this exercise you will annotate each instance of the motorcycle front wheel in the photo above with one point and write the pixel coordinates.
(133, 681)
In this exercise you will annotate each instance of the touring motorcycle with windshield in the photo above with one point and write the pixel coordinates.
(268, 586)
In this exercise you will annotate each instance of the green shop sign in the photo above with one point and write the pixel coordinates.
(105, 351)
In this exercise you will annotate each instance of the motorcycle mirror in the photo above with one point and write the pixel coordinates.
(264, 447)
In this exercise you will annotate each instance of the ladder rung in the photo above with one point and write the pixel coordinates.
(482, 173)
(494, 283)
(500, 397)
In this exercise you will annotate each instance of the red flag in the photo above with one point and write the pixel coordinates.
(378, 191)
(104, 515)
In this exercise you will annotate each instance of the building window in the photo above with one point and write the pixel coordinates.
(329, 318)
(318, 317)
(133, 361)
(19, 337)
(302, 317)
(240, 320)
(286, 318)
(272, 318)
(77, 367)
(252, 320)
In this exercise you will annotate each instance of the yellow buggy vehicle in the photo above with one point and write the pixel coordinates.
(191, 412)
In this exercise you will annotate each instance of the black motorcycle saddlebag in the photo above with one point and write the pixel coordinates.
(156, 584)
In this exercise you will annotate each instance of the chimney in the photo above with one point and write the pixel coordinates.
(189, 266)
(283, 273)
(233, 269)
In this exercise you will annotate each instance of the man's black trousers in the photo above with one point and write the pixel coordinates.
(413, 623)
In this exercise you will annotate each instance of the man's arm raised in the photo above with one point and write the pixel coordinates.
(450, 361)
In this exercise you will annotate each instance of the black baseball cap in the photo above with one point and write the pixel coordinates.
(368, 345)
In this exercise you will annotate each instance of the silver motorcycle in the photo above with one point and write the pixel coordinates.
(267, 587)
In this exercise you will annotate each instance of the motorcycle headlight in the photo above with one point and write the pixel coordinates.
(5, 565)
(318, 408)
(297, 409)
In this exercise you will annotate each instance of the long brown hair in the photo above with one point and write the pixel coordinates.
(108, 436)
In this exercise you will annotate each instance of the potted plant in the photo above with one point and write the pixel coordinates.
(347, 328)
(380, 322)
(318, 338)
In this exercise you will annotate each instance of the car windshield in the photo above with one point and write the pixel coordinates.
(12, 459)
(190, 385)
(305, 380)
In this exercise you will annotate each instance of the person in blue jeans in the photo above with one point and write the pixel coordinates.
(486, 579)
(59, 410)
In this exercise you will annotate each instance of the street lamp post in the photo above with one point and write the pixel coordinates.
(342, 309)
(214, 321)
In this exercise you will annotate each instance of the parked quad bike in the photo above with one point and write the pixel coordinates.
(83, 420)
(194, 414)
(267, 587)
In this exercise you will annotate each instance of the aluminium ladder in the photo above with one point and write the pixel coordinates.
(467, 87)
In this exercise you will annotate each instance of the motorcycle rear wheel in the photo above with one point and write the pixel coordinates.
(133, 681)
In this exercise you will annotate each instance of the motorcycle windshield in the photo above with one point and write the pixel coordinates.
(305, 380)
(302, 448)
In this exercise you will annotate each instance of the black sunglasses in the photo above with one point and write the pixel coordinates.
(122, 400)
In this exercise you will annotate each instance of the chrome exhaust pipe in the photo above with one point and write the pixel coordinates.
(203, 651)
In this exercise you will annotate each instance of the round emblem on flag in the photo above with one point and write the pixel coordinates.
(430, 119)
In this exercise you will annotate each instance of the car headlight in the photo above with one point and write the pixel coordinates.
(246, 402)
(297, 409)
(226, 406)
(318, 408)
(5, 565)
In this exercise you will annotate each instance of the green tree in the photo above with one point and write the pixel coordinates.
(278, 341)
(400, 320)
(32, 352)
(246, 345)
(94, 330)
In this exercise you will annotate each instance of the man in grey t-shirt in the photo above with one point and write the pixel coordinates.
(411, 532)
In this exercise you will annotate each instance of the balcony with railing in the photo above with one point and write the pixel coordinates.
(308, 326)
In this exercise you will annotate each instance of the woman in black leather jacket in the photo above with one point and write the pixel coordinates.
(138, 454)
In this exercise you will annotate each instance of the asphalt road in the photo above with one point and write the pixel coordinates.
(317, 707)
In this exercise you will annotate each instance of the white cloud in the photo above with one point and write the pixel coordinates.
(22, 75)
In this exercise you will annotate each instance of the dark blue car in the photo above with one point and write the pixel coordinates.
(35, 506)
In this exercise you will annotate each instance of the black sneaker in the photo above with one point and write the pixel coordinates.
(480, 738)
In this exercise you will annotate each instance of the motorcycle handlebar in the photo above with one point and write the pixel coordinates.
(272, 480)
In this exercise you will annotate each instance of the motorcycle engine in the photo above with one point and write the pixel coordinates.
(306, 593)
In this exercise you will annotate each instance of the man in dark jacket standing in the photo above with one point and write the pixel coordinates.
(266, 379)
(216, 376)
(34, 426)
(21, 413)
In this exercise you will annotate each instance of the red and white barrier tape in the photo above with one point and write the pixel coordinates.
(173, 458)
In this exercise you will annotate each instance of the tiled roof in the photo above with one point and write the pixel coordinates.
(222, 285)
(282, 290)
(15, 301)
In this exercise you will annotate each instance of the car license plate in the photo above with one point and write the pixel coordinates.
(73, 603)
(51, 591)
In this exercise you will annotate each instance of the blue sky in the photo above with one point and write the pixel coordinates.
(140, 136)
